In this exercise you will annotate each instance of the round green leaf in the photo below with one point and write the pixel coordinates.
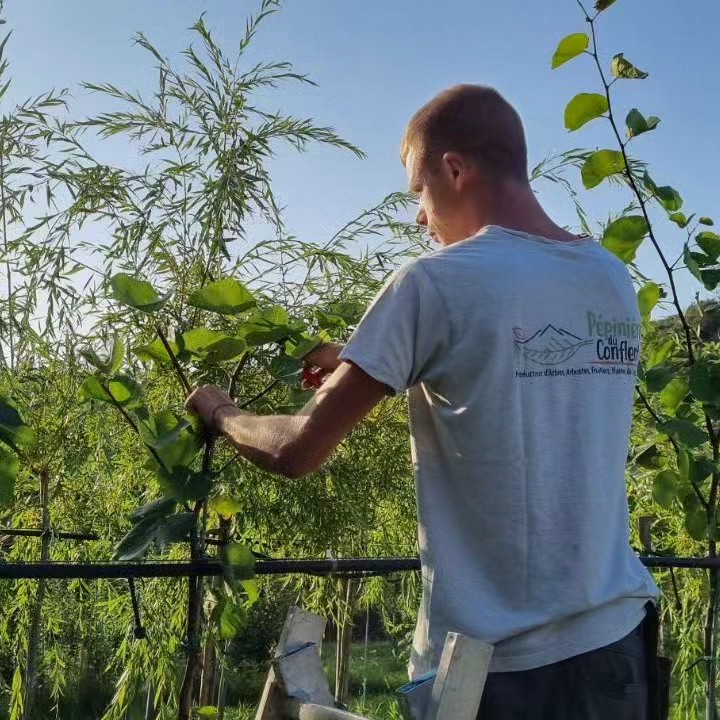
(601, 5)
(227, 297)
(637, 124)
(286, 369)
(270, 325)
(709, 242)
(706, 221)
(125, 389)
(665, 488)
(583, 108)
(8, 472)
(159, 508)
(667, 196)
(185, 484)
(623, 236)
(569, 47)
(601, 164)
(175, 529)
(134, 544)
(648, 297)
(207, 712)
(657, 377)
(162, 429)
(673, 394)
(238, 563)
(155, 351)
(696, 524)
(684, 431)
(225, 506)
(137, 293)
(13, 430)
(679, 219)
(624, 69)
(705, 380)
(648, 456)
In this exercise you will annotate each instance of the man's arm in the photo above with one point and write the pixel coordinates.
(294, 445)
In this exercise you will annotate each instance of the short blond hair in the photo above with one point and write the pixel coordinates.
(474, 120)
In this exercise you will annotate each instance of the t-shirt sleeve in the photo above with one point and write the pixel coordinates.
(404, 331)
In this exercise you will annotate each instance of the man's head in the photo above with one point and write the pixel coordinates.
(461, 150)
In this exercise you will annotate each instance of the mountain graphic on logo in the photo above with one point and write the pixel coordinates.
(549, 346)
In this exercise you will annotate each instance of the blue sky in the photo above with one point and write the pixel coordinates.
(376, 62)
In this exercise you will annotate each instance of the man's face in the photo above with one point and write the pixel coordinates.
(439, 196)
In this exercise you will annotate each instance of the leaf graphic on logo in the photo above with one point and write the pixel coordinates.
(549, 346)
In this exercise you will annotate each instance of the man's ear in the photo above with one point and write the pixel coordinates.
(456, 167)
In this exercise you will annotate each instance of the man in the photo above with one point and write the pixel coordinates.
(518, 343)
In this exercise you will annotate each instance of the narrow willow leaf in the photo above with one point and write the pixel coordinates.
(648, 297)
(624, 236)
(624, 69)
(600, 165)
(226, 296)
(569, 47)
(583, 108)
(137, 293)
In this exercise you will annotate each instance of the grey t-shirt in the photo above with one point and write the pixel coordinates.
(520, 357)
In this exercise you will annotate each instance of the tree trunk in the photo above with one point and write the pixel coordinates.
(35, 634)
(348, 593)
(194, 661)
(207, 682)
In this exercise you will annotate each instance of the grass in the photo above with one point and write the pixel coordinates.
(380, 676)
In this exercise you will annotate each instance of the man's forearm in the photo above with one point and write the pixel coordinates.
(266, 441)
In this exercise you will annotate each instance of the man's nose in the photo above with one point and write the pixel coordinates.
(421, 218)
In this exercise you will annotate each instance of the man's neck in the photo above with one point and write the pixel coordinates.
(516, 208)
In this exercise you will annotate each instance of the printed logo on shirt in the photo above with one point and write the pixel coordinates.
(610, 347)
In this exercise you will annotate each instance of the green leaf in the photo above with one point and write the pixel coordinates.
(8, 472)
(225, 506)
(673, 394)
(117, 356)
(158, 508)
(13, 430)
(134, 544)
(124, 389)
(623, 236)
(251, 590)
(637, 124)
(665, 488)
(705, 221)
(270, 325)
(696, 524)
(648, 297)
(679, 219)
(155, 351)
(286, 369)
(206, 712)
(185, 484)
(684, 431)
(303, 343)
(177, 456)
(624, 69)
(225, 350)
(583, 108)
(227, 297)
(656, 378)
(238, 563)
(175, 528)
(705, 380)
(699, 469)
(137, 293)
(601, 5)
(601, 164)
(648, 456)
(691, 263)
(208, 345)
(162, 429)
(709, 242)
(569, 47)
(232, 619)
(710, 279)
(661, 353)
(667, 196)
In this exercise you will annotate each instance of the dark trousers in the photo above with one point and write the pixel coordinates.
(606, 684)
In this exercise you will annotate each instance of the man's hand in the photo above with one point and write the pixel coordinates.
(205, 403)
(320, 364)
